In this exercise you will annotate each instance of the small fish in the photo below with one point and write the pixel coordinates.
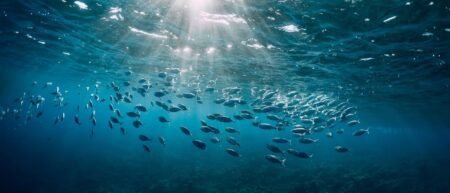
(360, 132)
(146, 148)
(185, 131)
(114, 120)
(340, 131)
(188, 95)
(329, 134)
(275, 159)
(231, 130)
(39, 114)
(281, 140)
(122, 130)
(266, 126)
(137, 123)
(162, 140)
(224, 119)
(144, 138)
(233, 152)
(141, 108)
(214, 139)
(341, 149)
(274, 148)
(159, 94)
(94, 121)
(199, 144)
(182, 107)
(77, 120)
(111, 107)
(352, 123)
(299, 154)
(118, 113)
(308, 140)
(231, 140)
(110, 125)
(133, 114)
(163, 119)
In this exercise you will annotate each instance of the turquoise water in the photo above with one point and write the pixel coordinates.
(359, 89)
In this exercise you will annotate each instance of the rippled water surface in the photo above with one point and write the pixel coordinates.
(274, 96)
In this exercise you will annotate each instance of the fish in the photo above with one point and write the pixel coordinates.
(231, 140)
(110, 125)
(159, 94)
(163, 119)
(266, 126)
(122, 130)
(174, 109)
(199, 144)
(231, 130)
(141, 108)
(224, 119)
(274, 148)
(299, 154)
(360, 132)
(329, 134)
(162, 140)
(300, 130)
(308, 140)
(281, 140)
(352, 123)
(233, 152)
(144, 138)
(188, 95)
(77, 120)
(133, 114)
(94, 121)
(146, 148)
(182, 107)
(39, 114)
(276, 159)
(185, 131)
(137, 123)
(114, 120)
(340, 131)
(118, 113)
(214, 139)
(341, 149)
(274, 117)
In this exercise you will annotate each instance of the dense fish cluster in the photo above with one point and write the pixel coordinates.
(301, 115)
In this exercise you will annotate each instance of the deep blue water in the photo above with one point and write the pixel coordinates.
(383, 64)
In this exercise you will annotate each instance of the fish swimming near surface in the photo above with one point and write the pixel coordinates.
(274, 148)
(299, 154)
(360, 132)
(186, 131)
(162, 140)
(163, 119)
(146, 148)
(341, 149)
(276, 159)
(77, 120)
(308, 140)
(231, 140)
(281, 140)
(233, 152)
(199, 144)
(144, 138)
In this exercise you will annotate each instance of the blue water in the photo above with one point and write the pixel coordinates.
(386, 62)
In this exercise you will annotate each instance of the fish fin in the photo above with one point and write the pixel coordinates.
(368, 131)
(311, 155)
(283, 162)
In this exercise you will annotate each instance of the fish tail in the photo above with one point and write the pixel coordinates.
(283, 162)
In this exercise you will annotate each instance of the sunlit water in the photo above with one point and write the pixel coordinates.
(315, 64)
